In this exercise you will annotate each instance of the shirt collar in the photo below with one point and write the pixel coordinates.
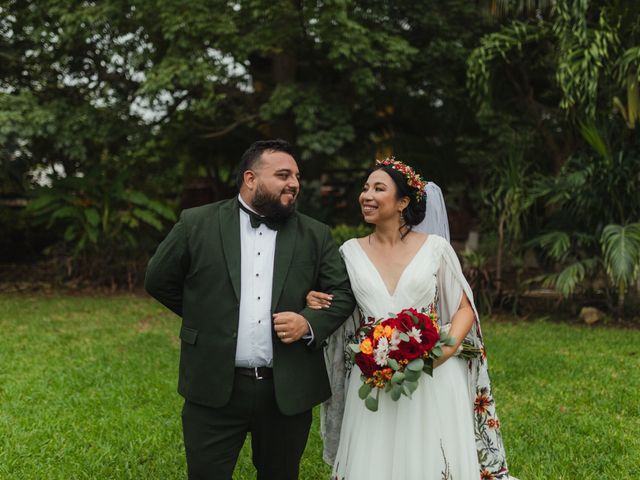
(247, 206)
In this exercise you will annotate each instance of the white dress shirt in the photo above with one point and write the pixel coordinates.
(257, 252)
(255, 326)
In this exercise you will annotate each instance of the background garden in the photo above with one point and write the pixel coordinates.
(115, 115)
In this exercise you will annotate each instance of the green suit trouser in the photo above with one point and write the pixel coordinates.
(213, 437)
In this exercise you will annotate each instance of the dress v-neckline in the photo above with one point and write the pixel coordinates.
(406, 267)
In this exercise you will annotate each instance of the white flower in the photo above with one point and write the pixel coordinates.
(381, 353)
(395, 340)
(415, 334)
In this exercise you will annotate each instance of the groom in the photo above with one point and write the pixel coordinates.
(251, 360)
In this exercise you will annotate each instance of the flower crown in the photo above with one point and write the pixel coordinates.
(413, 179)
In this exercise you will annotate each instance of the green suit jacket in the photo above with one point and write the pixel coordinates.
(195, 272)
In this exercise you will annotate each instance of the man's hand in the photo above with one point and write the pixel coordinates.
(290, 326)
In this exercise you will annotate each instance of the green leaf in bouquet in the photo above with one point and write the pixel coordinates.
(428, 367)
(371, 403)
(388, 387)
(411, 386)
(411, 375)
(397, 377)
(405, 391)
(437, 351)
(414, 319)
(395, 392)
(404, 337)
(416, 365)
(354, 347)
(447, 340)
(393, 364)
(364, 391)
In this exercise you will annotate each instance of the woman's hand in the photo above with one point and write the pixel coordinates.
(318, 300)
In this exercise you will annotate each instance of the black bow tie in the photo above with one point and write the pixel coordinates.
(256, 219)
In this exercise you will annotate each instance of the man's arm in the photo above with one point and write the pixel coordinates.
(167, 269)
(332, 279)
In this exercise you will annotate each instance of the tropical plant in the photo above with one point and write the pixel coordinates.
(621, 253)
(507, 196)
(476, 270)
(103, 222)
(593, 207)
(575, 256)
(557, 68)
(596, 49)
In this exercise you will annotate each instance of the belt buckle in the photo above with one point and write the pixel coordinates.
(257, 375)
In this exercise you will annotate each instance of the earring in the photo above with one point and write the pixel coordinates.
(402, 217)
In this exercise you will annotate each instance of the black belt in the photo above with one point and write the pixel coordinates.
(258, 373)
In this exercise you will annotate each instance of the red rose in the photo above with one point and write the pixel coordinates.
(429, 335)
(367, 364)
(404, 322)
(408, 350)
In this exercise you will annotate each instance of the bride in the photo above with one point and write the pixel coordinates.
(448, 429)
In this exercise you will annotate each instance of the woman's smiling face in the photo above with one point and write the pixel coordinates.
(378, 199)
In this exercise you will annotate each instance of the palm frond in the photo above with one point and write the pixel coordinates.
(555, 244)
(567, 280)
(621, 248)
(592, 136)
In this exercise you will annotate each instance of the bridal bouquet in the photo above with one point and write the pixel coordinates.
(394, 352)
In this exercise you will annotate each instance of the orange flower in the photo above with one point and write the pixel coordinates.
(486, 475)
(378, 331)
(388, 330)
(366, 347)
(381, 377)
(481, 404)
(493, 423)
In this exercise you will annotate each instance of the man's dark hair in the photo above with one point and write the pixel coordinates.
(255, 151)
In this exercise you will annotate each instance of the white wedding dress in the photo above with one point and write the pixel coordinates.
(434, 434)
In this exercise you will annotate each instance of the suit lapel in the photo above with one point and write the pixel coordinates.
(230, 232)
(285, 244)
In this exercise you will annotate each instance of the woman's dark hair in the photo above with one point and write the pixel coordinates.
(255, 151)
(416, 210)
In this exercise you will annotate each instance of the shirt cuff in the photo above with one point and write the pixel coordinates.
(309, 337)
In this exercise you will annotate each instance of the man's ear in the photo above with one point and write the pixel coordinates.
(249, 178)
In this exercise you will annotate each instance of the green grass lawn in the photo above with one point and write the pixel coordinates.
(87, 390)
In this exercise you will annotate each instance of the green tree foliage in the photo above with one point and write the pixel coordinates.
(173, 92)
(178, 89)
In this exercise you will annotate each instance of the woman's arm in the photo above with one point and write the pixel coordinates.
(461, 323)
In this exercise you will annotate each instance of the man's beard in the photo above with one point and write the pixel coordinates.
(270, 205)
